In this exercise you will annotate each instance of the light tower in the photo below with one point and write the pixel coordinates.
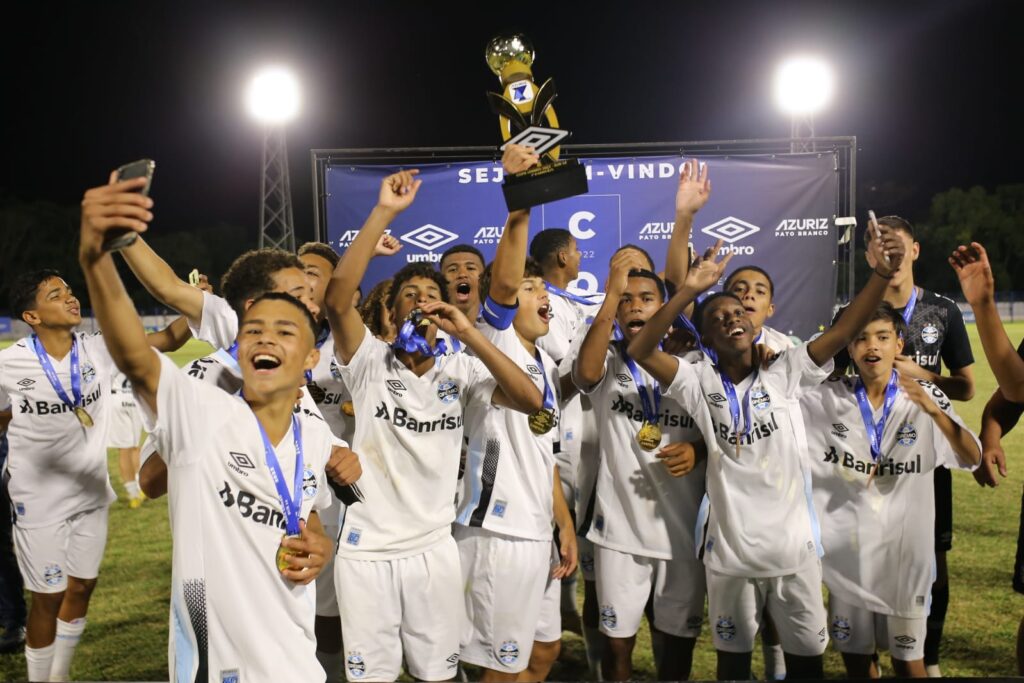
(803, 87)
(273, 100)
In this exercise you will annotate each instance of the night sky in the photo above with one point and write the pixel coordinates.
(931, 90)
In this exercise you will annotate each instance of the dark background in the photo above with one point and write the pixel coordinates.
(931, 90)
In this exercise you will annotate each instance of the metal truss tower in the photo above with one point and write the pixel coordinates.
(277, 227)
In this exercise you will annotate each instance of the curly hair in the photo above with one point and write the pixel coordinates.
(25, 287)
(410, 271)
(251, 275)
(321, 249)
(370, 307)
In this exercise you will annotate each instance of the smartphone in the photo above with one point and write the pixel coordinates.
(123, 237)
(873, 225)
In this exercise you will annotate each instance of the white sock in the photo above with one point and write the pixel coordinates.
(132, 487)
(68, 635)
(333, 663)
(594, 641)
(568, 604)
(774, 662)
(38, 660)
(933, 671)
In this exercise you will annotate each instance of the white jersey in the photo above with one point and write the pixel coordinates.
(121, 388)
(218, 323)
(409, 439)
(509, 475)
(639, 508)
(231, 611)
(329, 392)
(760, 519)
(775, 340)
(878, 537)
(56, 466)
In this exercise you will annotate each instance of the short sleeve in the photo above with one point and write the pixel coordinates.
(685, 386)
(369, 356)
(218, 324)
(956, 346)
(796, 372)
(479, 380)
(183, 407)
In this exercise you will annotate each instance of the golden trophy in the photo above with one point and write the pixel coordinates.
(522, 111)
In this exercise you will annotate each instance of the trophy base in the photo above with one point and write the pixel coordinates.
(545, 183)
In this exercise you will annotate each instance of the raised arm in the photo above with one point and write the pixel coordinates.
(160, 280)
(515, 388)
(172, 337)
(118, 205)
(997, 419)
(961, 439)
(510, 258)
(397, 192)
(888, 252)
(976, 280)
(590, 363)
(644, 347)
(692, 194)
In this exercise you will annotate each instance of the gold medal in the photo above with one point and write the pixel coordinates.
(83, 417)
(283, 554)
(348, 408)
(542, 421)
(649, 436)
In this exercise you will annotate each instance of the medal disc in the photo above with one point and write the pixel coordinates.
(649, 436)
(83, 417)
(348, 408)
(282, 556)
(542, 421)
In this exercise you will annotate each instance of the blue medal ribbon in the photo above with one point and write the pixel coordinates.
(51, 374)
(291, 505)
(411, 341)
(568, 295)
(683, 321)
(908, 310)
(651, 407)
(866, 413)
(734, 406)
(549, 396)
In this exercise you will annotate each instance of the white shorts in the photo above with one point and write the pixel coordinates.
(735, 606)
(585, 552)
(549, 623)
(625, 582)
(125, 425)
(504, 579)
(48, 555)
(326, 596)
(413, 605)
(856, 630)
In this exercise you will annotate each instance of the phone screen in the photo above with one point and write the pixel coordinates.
(143, 168)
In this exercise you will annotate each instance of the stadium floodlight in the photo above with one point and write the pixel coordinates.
(273, 96)
(273, 99)
(803, 87)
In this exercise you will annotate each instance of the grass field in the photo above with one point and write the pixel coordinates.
(127, 634)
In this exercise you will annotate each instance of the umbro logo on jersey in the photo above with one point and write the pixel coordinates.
(395, 387)
(717, 399)
(839, 429)
(26, 383)
(905, 642)
(248, 507)
(622, 379)
(453, 660)
(242, 460)
(401, 418)
(533, 369)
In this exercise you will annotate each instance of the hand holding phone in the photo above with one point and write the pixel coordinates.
(123, 237)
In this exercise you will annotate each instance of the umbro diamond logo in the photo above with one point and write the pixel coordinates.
(243, 460)
(731, 229)
(429, 237)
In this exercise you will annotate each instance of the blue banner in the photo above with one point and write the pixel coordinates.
(773, 211)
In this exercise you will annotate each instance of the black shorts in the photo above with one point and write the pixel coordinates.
(1018, 565)
(943, 482)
